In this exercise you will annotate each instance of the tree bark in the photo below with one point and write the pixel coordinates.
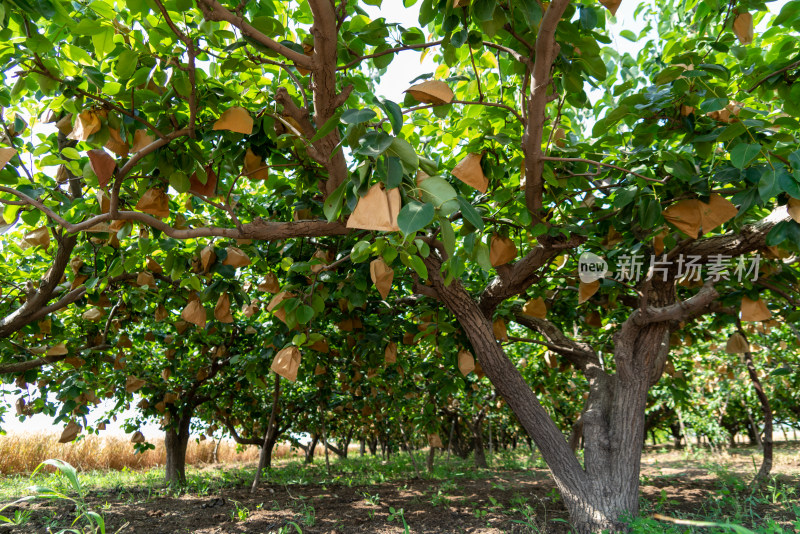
(176, 441)
(766, 442)
(270, 437)
(309, 459)
(477, 441)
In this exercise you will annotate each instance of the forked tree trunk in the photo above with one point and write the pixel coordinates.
(598, 494)
(176, 441)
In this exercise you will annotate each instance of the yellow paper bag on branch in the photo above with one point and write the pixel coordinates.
(501, 250)
(431, 92)
(382, 276)
(222, 311)
(155, 202)
(377, 210)
(194, 313)
(470, 172)
(287, 362)
(70, 432)
(466, 362)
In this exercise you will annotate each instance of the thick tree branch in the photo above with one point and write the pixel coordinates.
(214, 11)
(516, 278)
(581, 355)
(546, 52)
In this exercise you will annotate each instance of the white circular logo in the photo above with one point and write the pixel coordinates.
(591, 267)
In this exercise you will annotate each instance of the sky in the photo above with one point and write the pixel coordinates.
(405, 67)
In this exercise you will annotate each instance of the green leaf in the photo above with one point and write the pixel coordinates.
(403, 150)
(629, 35)
(360, 251)
(483, 10)
(304, 314)
(179, 181)
(419, 266)
(437, 191)
(357, 116)
(393, 113)
(333, 204)
(470, 213)
(394, 173)
(126, 64)
(768, 185)
(448, 235)
(743, 153)
(415, 216)
(328, 127)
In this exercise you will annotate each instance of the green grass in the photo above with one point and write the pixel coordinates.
(731, 503)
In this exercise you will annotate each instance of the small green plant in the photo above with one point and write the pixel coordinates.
(94, 522)
(20, 517)
(239, 513)
(309, 515)
(397, 515)
(373, 499)
(287, 530)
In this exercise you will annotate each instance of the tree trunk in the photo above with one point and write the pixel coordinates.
(362, 447)
(766, 443)
(477, 441)
(270, 437)
(373, 445)
(683, 430)
(598, 494)
(431, 454)
(176, 441)
(310, 450)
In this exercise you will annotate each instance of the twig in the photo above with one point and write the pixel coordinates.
(609, 165)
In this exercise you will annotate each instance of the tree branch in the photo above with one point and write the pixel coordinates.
(214, 11)
(546, 52)
(581, 355)
(601, 164)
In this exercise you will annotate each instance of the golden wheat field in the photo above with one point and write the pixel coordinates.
(21, 453)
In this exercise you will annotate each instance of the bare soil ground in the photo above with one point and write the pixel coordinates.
(672, 484)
